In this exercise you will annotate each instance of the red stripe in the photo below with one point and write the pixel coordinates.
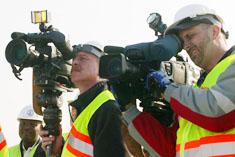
(80, 136)
(207, 140)
(214, 124)
(160, 138)
(3, 144)
(76, 152)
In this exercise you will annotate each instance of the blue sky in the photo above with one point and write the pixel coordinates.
(110, 22)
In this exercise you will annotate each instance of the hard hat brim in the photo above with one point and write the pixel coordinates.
(173, 29)
(40, 120)
(89, 49)
(185, 24)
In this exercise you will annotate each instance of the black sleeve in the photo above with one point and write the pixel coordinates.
(106, 131)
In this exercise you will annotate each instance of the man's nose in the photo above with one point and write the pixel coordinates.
(27, 125)
(186, 45)
(75, 62)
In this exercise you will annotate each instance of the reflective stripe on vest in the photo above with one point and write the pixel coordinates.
(3, 144)
(79, 142)
(193, 140)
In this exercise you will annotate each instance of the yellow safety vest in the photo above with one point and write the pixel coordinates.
(79, 142)
(14, 151)
(3, 145)
(192, 140)
(65, 135)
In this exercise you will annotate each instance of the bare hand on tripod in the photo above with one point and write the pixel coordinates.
(55, 140)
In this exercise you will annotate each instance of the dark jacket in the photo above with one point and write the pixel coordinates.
(104, 127)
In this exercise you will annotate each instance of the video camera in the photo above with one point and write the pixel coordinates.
(49, 54)
(127, 68)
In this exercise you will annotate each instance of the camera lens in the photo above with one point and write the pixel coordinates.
(17, 54)
(115, 67)
(16, 51)
(111, 66)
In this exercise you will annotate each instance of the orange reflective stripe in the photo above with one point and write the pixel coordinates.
(3, 144)
(207, 140)
(177, 147)
(79, 145)
(79, 142)
(80, 136)
(76, 152)
(204, 88)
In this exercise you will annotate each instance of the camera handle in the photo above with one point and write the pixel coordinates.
(52, 116)
(49, 149)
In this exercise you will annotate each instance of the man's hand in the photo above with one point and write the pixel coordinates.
(55, 140)
(133, 147)
(157, 80)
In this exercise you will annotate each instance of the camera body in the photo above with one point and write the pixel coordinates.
(50, 56)
(130, 66)
(127, 75)
(127, 69)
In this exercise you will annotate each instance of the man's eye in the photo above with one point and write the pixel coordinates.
(190, 36)
(83, 58)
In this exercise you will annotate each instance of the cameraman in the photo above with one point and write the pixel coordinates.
(205, 126)
(97, 128)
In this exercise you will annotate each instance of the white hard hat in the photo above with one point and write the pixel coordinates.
(95, 44)
(93, 47)
(28, 113)
(193, 14)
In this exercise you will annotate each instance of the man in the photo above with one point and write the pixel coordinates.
(29, 127)
(206, 111)
(97, 128)
(3, 145)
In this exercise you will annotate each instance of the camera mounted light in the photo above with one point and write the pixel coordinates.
(40, 17)
(43, 18)
(155, 22)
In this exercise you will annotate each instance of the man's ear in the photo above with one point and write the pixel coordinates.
(215, 30)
